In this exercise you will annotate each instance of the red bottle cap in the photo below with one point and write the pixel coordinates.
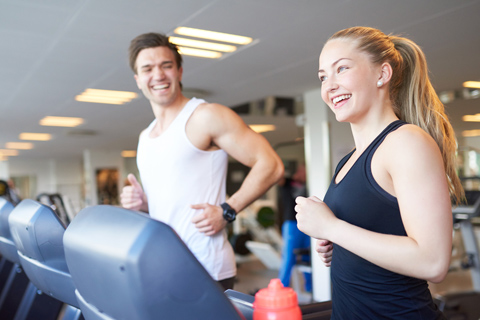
(275, 296)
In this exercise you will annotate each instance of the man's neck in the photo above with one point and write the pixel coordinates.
(165, 114)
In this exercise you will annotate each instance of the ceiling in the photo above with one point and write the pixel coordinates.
(52, 50)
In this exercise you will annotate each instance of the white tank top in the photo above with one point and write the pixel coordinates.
(175, 174)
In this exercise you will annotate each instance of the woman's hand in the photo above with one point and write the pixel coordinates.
(325, 251)
(314, 217)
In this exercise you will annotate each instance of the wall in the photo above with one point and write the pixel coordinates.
(100, 159)
(69, 182)
(41, 173)
(4, 170)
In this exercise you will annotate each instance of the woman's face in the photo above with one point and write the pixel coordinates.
(349, 79)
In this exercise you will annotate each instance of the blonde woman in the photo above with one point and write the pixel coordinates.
(385, 223)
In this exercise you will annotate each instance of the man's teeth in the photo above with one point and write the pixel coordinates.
(160, 87)
(340, 98)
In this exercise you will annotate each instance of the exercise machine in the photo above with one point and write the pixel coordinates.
(126, 265)
(19, 298)
(56, 202)
(7, 193)
(38, 236)
(465, 305)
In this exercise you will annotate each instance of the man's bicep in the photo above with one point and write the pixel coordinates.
(243, 144)
(235, 137)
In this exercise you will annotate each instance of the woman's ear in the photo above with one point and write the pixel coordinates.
(385, 73)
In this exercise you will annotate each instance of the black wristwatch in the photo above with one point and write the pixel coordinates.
(228, 213)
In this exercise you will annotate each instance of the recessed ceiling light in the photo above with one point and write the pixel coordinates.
(199, 53)
(202, 44)
(262, 127)
(471, 133)
(471, 118)
(106, 96)
(8, 152)
(35, 136)
(129, 153)
(19, 145)
(213, 35)
(61, 121)
(472, 84)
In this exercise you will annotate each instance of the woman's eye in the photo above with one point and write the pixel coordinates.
(322, 78)
(340, 69)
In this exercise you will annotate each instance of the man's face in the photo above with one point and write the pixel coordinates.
(158, 75)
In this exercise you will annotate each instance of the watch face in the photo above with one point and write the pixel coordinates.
(229, 215)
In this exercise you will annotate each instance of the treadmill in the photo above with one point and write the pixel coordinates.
(465, 305)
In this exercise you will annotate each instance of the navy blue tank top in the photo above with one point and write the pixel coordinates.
(360, 289)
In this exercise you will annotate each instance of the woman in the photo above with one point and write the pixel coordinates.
(387, 212)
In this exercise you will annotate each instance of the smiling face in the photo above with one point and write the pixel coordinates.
(349, 79)
(158, 75)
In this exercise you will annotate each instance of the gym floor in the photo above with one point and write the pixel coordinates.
(252, 275)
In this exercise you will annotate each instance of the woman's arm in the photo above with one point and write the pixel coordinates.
(414, 164)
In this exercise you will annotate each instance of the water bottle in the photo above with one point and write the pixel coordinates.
(276, 303)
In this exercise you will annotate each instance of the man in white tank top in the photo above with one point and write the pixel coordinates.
(182, 159)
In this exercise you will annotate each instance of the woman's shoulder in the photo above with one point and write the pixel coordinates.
(410, 141)
(409, 135)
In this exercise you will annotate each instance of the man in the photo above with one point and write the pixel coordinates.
(182, 159)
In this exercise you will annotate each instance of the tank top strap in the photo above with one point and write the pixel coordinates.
(379, 139)
(187, 111)
(367, 161)
(342, 162)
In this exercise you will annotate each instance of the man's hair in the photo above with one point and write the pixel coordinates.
(151, 40)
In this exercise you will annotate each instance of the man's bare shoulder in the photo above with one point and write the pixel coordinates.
(211, 109)
(214, 112)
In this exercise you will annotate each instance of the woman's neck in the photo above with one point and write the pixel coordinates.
(366, 130)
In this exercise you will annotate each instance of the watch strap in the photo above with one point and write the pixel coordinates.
(229, 213)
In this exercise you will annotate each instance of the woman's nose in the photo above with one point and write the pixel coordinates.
(330, 84)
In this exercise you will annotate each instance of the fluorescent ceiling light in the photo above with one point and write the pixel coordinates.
(61, 121)
(199, 53)
(471, 118)
(212, 35)
(129, 153)
(19, 145)
(8, 153)
(472, 84)
(104, 100)
(35, 136)
(202, 44)
(106, 96)
(471, 133)
(262, 127)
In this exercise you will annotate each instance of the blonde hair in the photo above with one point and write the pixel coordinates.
(411, 92)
